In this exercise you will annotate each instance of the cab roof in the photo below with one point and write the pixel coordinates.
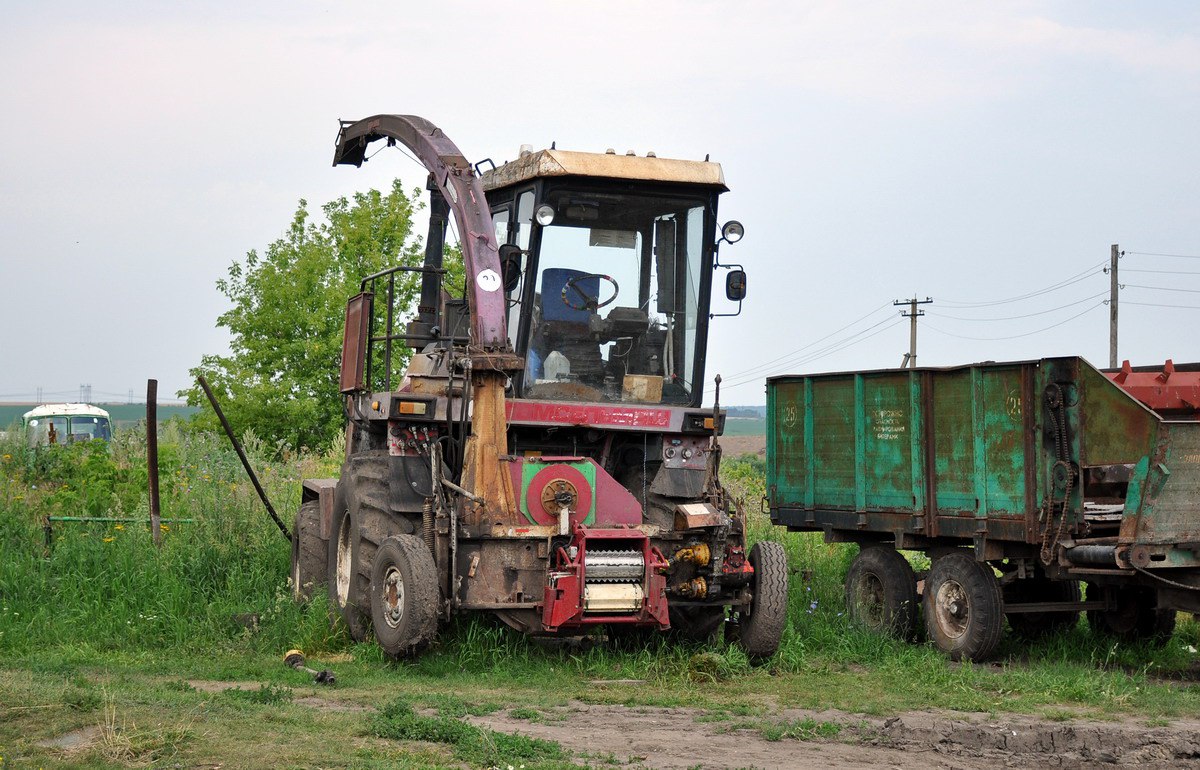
(559, 163)
(64, 410)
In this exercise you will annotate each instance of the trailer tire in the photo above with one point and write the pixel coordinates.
(343, 605)
(1032, 625)
(964, 614)
(404, 595)
(1135, 619)
(761, 629)
(310, 554)
(881, 592)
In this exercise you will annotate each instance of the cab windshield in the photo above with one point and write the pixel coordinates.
(61, 429)
(616, 303)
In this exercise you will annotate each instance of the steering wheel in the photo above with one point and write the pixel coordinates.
(589, 302)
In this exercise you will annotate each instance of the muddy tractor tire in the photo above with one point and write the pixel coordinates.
(1033, 625)
(761, 628)
(310, 554)
(404, 595)
(343, 605)
(964, 613)
(881, 593)
(1135, 618)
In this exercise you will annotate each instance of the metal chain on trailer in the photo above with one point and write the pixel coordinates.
(1057, 412)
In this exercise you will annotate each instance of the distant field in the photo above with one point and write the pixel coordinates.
(745, 426)
(122, 414)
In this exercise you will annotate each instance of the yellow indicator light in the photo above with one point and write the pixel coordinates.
(375, 405)
(410, 407)
(708, 423)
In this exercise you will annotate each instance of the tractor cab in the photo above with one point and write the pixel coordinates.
(607, 264)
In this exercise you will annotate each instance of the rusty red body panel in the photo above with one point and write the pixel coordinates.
(1170, 389)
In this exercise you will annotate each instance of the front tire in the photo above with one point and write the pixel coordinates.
(404, 595)
(761, 629)
(881, 592)
(964, 613)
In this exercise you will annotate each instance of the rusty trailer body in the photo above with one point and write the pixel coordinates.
(1047, 472)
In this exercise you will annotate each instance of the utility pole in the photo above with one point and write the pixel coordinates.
(910, 358)
(1113, 361)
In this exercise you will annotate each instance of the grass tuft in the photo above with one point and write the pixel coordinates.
(473, 745)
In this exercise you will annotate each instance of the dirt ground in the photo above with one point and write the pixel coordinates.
(673, 738)
(736, 446)
(677, 738)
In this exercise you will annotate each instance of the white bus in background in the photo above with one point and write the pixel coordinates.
(66, 423)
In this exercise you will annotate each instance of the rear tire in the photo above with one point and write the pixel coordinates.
(1032, 625)
(343, 605)
(310, 554)
(761, 629)
(963, 610)
(1135, 619)
(404, 595)
(881, 592)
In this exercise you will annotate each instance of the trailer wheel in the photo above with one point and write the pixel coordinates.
(310, 554)
(881, 592)
(964, 614)
(404, 595)
(342, 604)
(1041, 589)
(761, 628)
(1135, 618)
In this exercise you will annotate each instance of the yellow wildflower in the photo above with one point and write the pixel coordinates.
(119, 526)
(109, 539)
(164, 527)
(7, 457)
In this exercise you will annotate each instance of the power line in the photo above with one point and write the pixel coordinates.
(828, 350)
(1162, 288)
(814, 357)
(1016, 336)
(1155, 304)
(1014, 317)
(768, 364)
(1052, 287)
(1164, 272)
(1158, 254)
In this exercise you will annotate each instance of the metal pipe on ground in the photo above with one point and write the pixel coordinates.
(241, 453)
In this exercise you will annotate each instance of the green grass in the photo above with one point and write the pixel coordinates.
(102, 626)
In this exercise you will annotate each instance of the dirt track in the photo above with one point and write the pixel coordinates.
(673, 738)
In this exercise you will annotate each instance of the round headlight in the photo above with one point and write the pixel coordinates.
(545, 214)
(733, 231)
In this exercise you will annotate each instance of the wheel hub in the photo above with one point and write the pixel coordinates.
(953, 609)
(342, 568)
(393, 597)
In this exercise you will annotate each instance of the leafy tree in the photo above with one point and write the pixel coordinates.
(280, 378)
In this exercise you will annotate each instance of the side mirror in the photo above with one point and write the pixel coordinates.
(510, 265)
(735, 285)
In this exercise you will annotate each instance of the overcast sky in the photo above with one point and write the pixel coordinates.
(970, 152)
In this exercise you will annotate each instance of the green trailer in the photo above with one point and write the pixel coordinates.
(1020, 480)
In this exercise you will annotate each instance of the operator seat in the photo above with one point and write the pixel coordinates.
(566, 329)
